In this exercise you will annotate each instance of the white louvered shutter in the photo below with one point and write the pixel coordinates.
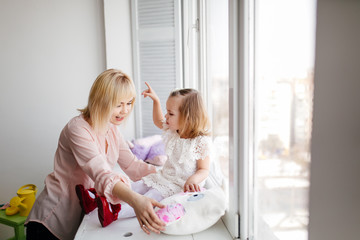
(157, 55)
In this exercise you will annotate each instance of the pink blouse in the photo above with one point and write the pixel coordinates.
(81, 159)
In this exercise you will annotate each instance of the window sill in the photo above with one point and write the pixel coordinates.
(90, 228)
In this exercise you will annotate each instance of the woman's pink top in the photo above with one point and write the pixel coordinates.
(81, 159)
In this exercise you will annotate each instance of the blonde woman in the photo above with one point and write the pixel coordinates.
(89, 147)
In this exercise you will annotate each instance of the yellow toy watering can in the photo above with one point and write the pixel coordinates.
(24, 200)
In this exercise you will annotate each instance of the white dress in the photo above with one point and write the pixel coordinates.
(181, 164)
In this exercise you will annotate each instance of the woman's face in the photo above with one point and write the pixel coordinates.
(121, 111)
(173, 114)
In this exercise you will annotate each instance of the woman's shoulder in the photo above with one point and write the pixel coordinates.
(78, 126)
(77, 121)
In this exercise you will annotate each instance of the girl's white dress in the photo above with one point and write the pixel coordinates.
(181, 164)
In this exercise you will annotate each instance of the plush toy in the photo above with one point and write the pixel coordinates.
(150, 149)
(192, 212)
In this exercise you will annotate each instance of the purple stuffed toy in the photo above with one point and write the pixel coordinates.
(150, 149)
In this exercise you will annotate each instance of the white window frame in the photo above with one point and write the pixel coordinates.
(241, 115)
(240, 122)
(194, 47)
(241, 73)
(195, 74)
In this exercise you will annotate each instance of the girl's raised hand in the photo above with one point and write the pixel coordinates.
(150, 93)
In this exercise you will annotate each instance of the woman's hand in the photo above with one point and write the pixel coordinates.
(147, 218)
(150, 93)
(143, 207)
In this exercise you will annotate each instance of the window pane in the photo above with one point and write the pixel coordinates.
(218, 77)
(284, 58)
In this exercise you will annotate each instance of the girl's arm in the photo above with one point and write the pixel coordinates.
(202, 172)
(157, 112)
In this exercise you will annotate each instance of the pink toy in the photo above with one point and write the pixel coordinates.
(191, 212)
(171, 213)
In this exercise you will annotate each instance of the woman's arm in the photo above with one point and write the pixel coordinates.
(113, 186)
(133, 167)
(157, 112)
(202, 172)
(143, 206)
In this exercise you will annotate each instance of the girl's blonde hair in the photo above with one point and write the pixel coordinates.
(193, 117)
(109, 89)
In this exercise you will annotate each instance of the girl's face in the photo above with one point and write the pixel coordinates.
(121, 111)
(173, 115)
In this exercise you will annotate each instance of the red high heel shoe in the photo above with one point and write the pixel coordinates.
(107, 212)
(87, 203)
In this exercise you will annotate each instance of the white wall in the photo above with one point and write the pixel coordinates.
(50, 54)
(118, 48)
(335, 167)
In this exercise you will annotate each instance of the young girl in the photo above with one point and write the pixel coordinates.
(187, 144)
(187, 141)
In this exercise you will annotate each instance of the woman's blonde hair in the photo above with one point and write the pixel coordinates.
(109, 89)
(193, 119)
